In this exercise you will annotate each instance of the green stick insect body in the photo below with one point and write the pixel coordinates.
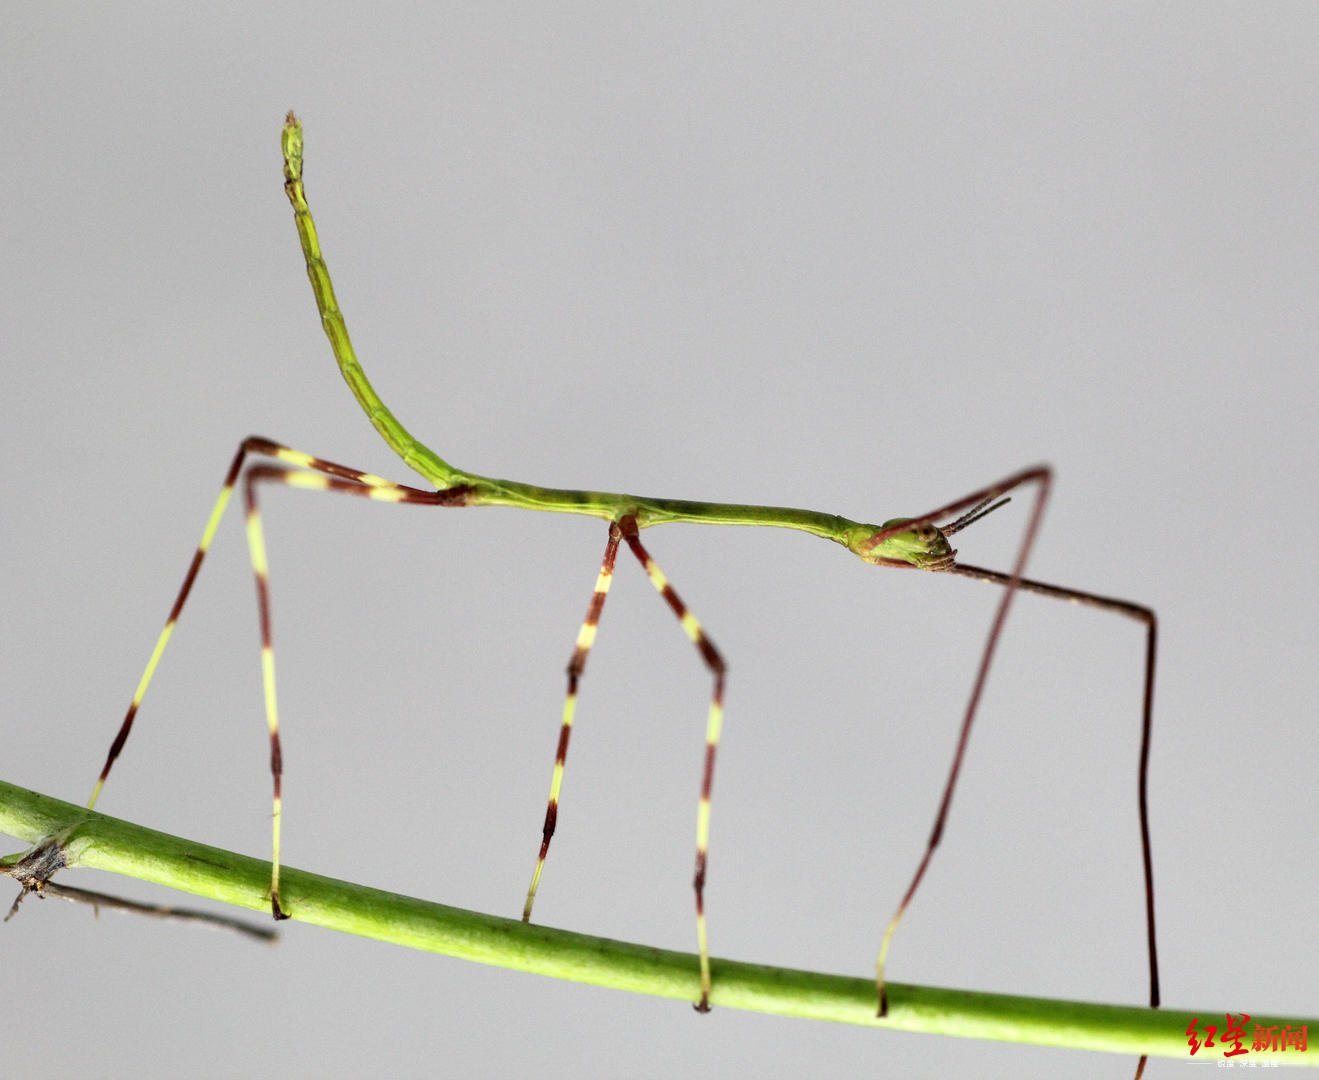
(914, 543)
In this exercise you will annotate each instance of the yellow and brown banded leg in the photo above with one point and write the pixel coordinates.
(576, 665)
(327, 476)
(715, 662)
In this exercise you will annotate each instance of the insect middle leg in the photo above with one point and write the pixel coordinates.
(714, 723)
(626, 530)
(576, 666)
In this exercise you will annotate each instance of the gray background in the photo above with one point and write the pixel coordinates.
(862, 260)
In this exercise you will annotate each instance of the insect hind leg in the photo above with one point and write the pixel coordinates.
(298, 469)
(312, 474)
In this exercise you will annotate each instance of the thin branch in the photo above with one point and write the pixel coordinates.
(89, 839)
(98, 900)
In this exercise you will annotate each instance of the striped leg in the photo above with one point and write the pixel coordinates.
(327, 477)
(715, 662)
(576, 665)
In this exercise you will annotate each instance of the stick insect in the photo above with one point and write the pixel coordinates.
(920, 543)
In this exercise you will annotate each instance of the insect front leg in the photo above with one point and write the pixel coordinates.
(1014, 582)
(1042, 478)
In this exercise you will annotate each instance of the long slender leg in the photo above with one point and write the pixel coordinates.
(328, 476)
(1013, 582)
(715, 662)
(576, 665)
(1042, 478)
(217, 512)
(1141, 614)
(1145, 615)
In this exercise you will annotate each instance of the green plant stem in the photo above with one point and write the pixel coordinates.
(96, 841)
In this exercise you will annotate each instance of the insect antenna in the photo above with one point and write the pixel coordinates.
(973, 515)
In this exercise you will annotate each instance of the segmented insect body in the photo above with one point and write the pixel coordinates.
(920, 542)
